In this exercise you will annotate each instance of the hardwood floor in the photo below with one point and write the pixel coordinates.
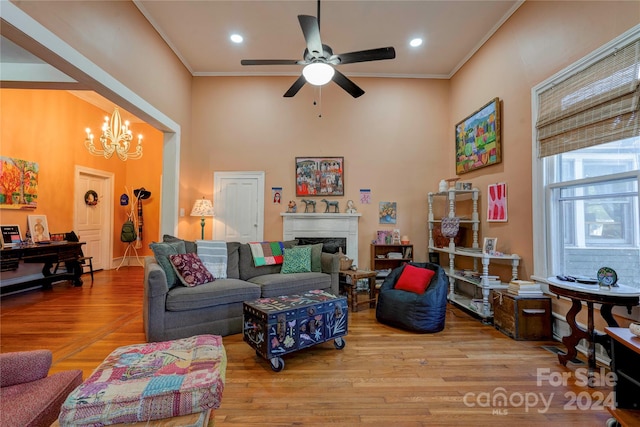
(383, 377)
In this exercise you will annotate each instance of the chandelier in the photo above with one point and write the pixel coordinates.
(116, 138)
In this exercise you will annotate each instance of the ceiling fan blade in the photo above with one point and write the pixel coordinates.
(346, 84)
(295, 87)
(269, 62)
(311, 31)
(367, 55)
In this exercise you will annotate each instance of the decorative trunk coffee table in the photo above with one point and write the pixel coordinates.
(280, 325)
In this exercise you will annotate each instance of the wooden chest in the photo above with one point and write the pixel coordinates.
(281, 325)
(522, 318)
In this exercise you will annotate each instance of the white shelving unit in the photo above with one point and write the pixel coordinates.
(453, 197)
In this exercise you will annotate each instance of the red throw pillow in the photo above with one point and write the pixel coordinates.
(414, 279)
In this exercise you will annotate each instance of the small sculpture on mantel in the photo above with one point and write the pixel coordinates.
(350, 207)
(292, 207)
(329, 204)
(309, 203)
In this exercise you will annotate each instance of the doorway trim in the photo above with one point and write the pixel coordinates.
(29, 34)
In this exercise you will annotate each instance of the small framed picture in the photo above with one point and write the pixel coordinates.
(38, 228)
(11, 235)
(489, 246)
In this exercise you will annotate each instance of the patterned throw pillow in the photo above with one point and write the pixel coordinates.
(190, 269)
(297, 260)
(162, 251)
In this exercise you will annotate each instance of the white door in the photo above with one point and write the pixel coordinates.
(238, 202)
(94, 222)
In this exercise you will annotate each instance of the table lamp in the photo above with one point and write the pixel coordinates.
(202, 207)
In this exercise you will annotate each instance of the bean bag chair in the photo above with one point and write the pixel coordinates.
(414, 297)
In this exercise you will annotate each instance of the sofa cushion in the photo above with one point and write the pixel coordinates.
(220, 292)
(267, 253)
(162, 252)
(37, 403)
(248, 270)
(233, 260)
(297, 260)
(190, 269)
(189, 246)
(273, 285)
(213, 254)
(316, 256)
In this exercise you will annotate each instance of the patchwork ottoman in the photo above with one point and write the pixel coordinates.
(140, 383)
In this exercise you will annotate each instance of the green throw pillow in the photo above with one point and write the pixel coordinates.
(162, 252)
(297, 260)
(316, 256)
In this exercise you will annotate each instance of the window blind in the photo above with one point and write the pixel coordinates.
(596, 105)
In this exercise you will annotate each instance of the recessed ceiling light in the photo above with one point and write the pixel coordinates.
(236, 38)
(415, 42)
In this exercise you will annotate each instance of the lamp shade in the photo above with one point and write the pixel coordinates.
(202, 207)
(318, 73)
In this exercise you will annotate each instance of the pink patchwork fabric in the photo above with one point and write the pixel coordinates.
(150, 381)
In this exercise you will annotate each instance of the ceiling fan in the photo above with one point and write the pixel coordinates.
(320, 61)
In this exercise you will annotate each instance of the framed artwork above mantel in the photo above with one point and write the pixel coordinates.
(478, 139)
(319, 176)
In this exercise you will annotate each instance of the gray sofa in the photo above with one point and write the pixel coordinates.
(216, 307)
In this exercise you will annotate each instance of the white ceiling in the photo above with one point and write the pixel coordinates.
(452, 30)
(198, 32)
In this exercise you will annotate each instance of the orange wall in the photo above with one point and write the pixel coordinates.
(540, 39)
(397, 139)
(393, 139)
(47, 127)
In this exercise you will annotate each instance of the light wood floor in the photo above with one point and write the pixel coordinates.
(383, 377)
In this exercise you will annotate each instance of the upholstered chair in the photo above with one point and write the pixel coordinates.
(28, 397)
(414, 297)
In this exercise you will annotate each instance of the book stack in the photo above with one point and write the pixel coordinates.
(525, 288)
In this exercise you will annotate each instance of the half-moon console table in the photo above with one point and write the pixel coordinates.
(590, 294)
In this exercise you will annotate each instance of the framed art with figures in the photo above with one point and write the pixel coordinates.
(319, 176)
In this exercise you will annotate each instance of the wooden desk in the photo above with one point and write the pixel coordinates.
(625, 358)
(590, 294)
(354, 276)
(49, 255)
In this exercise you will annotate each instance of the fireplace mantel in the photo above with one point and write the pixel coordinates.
(323, 225)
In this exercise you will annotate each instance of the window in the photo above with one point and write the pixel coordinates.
(587, 172)
(594, 215)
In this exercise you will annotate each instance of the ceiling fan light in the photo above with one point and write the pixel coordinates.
(318, 73)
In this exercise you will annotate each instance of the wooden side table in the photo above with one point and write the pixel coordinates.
(608, 297)
(354, 276)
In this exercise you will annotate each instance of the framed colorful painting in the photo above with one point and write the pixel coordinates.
(319, 176)
(478, 139)
(18, 183)
(387, 212)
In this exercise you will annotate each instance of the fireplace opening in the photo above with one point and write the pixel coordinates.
(329, 244)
